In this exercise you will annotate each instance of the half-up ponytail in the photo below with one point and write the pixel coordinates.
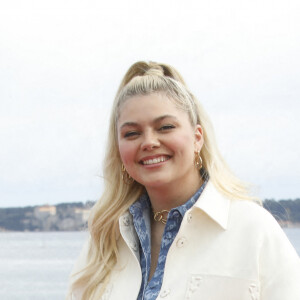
(143, 68)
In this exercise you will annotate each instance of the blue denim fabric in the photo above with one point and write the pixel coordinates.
(141, 212)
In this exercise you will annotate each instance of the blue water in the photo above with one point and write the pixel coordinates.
(294, 236)
(36, 266)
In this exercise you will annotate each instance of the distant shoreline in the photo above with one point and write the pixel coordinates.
(289, 225)
(74, 216)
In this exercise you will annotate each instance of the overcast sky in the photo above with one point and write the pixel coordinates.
(61, 63)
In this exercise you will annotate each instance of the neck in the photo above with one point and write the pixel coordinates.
(172, 195)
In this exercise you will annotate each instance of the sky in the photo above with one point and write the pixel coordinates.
(61, 63)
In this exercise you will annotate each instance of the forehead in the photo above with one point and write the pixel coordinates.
(147, 107)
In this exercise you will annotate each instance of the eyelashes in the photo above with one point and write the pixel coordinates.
(134, 133)
(166, 127)
(130, 134)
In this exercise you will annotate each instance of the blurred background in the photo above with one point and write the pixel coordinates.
(62, 61)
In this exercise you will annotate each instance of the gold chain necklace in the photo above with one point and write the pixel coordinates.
(159, 216)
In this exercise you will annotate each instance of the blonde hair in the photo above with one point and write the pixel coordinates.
(143, 78)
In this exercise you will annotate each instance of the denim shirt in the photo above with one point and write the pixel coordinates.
(141, 212)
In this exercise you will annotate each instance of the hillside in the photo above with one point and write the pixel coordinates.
(74, 216)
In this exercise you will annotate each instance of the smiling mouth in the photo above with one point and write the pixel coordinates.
(155, 160)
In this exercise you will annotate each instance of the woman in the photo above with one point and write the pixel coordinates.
(173, 221)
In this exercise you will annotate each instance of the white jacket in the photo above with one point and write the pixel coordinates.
(225, 250)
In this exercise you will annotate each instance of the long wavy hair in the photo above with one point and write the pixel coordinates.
(143, 78)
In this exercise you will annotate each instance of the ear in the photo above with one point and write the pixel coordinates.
(199, 140)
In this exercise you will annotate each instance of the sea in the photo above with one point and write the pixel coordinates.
(36, 265)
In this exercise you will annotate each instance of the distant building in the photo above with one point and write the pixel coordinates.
(42, 212)
(82, 214)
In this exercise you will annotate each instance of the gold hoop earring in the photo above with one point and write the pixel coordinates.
(127, 179)
(198, 160)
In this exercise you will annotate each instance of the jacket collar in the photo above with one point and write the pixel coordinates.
(214, 204)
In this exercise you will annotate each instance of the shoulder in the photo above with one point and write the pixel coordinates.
(252, 213)
(253, 219)
(258, 224)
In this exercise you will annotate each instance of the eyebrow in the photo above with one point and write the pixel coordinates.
(156, 120)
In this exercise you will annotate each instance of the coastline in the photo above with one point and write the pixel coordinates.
(287, 224)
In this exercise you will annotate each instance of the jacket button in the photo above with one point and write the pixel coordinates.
(126, 221)
(189, 218)
(164, 293)
(181, 242)
(134, 246)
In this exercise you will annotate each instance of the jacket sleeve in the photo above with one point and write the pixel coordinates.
(279, 265)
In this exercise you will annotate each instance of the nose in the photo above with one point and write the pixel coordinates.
(150, 141)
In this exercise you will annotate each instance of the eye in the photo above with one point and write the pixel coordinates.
(130, 134)
(166, 127)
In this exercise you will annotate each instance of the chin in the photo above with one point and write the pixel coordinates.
(154, 183)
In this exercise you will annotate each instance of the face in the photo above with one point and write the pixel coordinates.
(157, 142)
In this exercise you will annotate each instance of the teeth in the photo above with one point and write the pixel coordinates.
(154, 160)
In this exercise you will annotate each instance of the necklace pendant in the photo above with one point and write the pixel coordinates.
(159, 216)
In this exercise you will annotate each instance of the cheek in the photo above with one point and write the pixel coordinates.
(184, 147)
(127, 153)
(183, 144)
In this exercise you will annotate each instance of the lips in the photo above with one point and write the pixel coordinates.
(155, 160)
